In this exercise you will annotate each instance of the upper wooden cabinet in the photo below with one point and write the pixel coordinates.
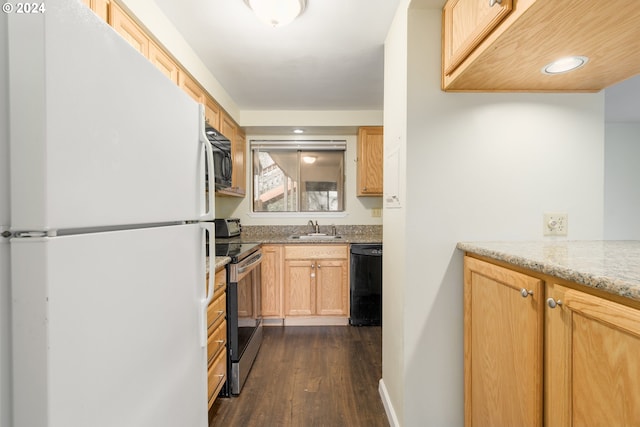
(507, 53)
(163, 62)
(128, 29)
(466, 23)
(191, 87)
(99, 7)
(370, 160)
(238, 141)
(212, 112)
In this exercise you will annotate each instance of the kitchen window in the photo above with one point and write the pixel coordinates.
(298, 176)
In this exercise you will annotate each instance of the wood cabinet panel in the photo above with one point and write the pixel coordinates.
(332, 295)
(128, 29)
(465, 24)
(503, 340)
(217, 341)
(592, 372)
(212, 113)
(216, 311)
(271, 281)
(163, 62)
(370, 161)
(191, 87)
(216, 375)
(316, 251)
(299, 283)
(99, 7)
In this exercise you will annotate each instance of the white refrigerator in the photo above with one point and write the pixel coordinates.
(106, 231)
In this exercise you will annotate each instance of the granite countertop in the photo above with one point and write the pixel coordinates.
(611, 266)
(281, 235)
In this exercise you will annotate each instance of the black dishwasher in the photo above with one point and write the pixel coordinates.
(366, 285)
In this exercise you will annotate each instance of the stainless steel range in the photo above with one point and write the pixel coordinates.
(244, 318)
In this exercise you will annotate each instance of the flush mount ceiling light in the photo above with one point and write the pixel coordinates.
(277, 12)
(309, 159)
(298, 131)
(564, 65)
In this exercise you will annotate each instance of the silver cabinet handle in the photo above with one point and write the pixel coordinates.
(493, 2)
(553, 303)
(525, 293)
(318, 265)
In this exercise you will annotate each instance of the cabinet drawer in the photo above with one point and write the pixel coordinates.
(217, 341)
(216, 376)
(316, 252)
(216, 311)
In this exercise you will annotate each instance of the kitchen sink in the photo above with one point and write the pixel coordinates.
(314, 236)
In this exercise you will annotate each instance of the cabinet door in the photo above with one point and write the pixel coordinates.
(370, 159)
(465, 24)
(503, 337)
(239, 170)
(191, 87)
(163, 62)
(212, 113)
(299, 286)
(592, 371)
(271, 281)
(128, 29)
(332, 294)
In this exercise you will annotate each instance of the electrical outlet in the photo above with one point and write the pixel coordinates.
(376, 212)
(555, 224)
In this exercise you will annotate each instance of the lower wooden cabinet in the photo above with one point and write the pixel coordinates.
(271, 281)
(316, 280)
(503, 356)
(592, 370)
(540, 351)
(217, 337)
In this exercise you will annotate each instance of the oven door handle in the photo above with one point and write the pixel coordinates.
(252, 262)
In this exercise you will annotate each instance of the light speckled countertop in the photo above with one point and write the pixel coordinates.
(611, 266)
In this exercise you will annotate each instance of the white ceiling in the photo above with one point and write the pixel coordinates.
(330, 58)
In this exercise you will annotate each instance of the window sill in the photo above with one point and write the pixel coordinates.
(305, 215)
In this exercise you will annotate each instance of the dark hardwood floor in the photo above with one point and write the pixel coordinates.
(310, 376)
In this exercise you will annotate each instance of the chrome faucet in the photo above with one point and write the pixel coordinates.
(316, 227)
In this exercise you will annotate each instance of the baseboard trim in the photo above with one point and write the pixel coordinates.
(388, 407)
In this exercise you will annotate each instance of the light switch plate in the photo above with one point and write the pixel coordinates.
(376, 212)
(555, 224)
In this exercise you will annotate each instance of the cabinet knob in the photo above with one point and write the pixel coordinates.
(318, 265)
(525, 293)
(493, 2)
(553, 303)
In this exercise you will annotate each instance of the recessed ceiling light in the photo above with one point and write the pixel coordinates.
(309, 159)
(298, 131)
(564, 65)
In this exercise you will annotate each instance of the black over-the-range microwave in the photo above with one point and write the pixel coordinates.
(222, 164)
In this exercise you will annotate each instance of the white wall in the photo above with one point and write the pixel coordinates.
(478, 167)
(622, 181)
(394, 229)
(358, 209)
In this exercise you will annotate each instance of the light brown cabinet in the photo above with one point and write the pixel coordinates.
(541, 351)
(238, 141)
(592, 370)
(316, 280)
(217, 337)
(465, 24)
(99, 7)
(370, 161)
(128, 29)
(212, 112)
(503, 353)
(191, 87)
(271, 281)
(163, 62)
(490, 49)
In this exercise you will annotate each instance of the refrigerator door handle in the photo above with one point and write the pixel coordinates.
(209, 209)
(207, 227)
